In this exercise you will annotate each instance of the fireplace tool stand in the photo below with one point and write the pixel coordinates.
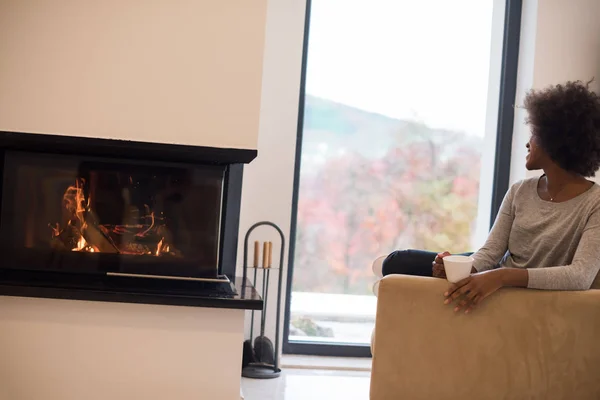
(265, 356)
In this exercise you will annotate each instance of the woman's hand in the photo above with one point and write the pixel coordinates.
(469, 292)
(438, 265)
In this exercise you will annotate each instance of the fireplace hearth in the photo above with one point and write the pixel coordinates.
(130, 216)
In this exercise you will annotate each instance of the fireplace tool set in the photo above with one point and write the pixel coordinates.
(260, 356)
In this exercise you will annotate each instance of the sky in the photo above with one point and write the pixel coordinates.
(423, 60)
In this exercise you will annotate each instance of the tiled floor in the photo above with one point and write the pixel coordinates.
(303, 384)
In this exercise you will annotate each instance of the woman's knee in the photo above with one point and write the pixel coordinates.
(397, 262)
(409, 262)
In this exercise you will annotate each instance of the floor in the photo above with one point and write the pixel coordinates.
(303, 384)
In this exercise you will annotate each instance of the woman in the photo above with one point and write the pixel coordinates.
(547, 233)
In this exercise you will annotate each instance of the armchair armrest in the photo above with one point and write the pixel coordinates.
(518, 344)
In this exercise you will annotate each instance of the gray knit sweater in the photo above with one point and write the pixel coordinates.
(558, 243)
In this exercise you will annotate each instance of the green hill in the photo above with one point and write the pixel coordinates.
(332, 128)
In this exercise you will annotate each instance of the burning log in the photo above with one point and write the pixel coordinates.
(95, 238)
(66, 238)
(84, 232)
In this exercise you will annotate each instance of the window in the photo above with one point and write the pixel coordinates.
(398, 149)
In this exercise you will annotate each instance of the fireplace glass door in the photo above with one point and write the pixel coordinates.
(85, 214)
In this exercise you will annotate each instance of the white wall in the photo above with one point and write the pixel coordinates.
(268, 180)
(186, 71)
(76, 350)
(560, 41)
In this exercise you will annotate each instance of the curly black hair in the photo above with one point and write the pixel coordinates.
(566, 121)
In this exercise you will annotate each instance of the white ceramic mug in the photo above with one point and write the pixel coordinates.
(457, 267)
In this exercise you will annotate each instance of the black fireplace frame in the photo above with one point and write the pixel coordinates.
(232, 160)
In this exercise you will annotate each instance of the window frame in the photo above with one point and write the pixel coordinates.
(501, 174)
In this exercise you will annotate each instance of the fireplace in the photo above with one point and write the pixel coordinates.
(88, 214)
(152, 215)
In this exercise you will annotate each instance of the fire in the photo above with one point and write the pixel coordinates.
(161, 248)
(81, 244)
(75, 202)
(83, 232)
(56, 231)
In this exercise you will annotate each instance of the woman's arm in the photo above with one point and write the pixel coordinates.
(496, 244)
(472, 290)
(580, 274)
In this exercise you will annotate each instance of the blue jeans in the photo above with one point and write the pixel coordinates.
(411, 262)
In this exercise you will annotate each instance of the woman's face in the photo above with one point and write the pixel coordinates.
(535, 155)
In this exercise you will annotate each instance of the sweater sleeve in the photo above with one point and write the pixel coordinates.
(496, 245)
(580, 274)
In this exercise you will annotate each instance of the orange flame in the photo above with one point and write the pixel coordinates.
(56, 231)
(78, 207)
(159, 248)
(81, 244)
(75, 202)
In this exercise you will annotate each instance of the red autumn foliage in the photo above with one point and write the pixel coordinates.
(354, 208)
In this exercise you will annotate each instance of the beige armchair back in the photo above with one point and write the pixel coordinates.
(519, 344)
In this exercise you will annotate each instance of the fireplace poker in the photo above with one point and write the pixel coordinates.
(255, 264)
(263, 347)
(249, 355)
